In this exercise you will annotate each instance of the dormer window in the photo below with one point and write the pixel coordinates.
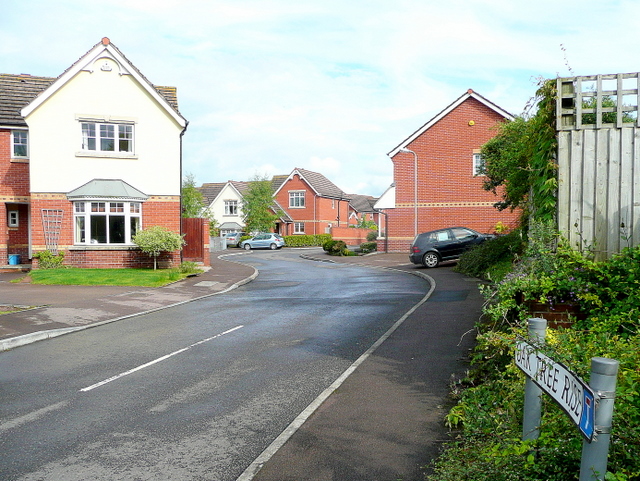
(19, 144)
(103, 137)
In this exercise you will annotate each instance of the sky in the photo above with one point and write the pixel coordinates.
(329, 86)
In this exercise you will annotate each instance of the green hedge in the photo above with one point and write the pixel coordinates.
(306, 240)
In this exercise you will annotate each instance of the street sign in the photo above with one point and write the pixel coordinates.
(571, 393)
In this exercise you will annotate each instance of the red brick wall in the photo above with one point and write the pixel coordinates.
(317, 213)
(158, 210)
(14, 195)
(351, 235)
(448, 192)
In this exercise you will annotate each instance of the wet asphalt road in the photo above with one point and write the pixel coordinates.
(196, 391)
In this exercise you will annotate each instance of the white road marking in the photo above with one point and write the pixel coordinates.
(33, 416)
(297, 423)
(155, 361)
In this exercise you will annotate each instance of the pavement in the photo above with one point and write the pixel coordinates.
(385, 422)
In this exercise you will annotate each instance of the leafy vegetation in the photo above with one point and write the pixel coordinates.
(519, 162)
(306, 240)
(157, 239)
(49, 260)
(257, 205)
(489, 399)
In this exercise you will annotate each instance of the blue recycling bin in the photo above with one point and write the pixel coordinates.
(14, 259)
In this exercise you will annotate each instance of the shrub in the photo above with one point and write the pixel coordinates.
(478, 261)
(157, 239)
(306, 240)
(367, 247)
(372, 236)
(335, 247)
(49, 260)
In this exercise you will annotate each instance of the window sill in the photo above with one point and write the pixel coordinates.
(106, 155)
(104, 247)
(20, 160)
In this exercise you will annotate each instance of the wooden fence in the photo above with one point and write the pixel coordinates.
(599, 161)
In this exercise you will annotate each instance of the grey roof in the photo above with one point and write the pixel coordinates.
(16, 91)
(277, 208)
(211, 190)
(322, 185)
(362, 203)
(277, 181)
(231, 225)
(107, 188)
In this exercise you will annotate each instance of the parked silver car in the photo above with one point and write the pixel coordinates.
(263, 241)
(233, 238)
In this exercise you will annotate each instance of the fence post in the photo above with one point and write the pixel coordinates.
(593, 466)
(532, 393)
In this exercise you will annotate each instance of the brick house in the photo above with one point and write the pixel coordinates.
(361, 208)
(77, 154)
(436, 178)
(311, 204)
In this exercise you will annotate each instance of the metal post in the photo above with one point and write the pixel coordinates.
(604, 372)
(532, 393)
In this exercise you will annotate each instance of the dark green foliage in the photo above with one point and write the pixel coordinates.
(489, 400)
(479, 260)
(367, 247)
(521, 159)
(334, 247)
(306, 240)
(372, 236)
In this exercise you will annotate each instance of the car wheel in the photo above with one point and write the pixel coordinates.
(273, 247)
(430, 259)
(247, 247)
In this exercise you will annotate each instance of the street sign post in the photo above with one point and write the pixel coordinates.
(590, 406)
(571, 393)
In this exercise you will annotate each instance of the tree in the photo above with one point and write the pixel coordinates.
(193, 203)
(521, 159)
(157, 239)
(257, 205)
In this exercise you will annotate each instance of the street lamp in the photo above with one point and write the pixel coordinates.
(415, 188)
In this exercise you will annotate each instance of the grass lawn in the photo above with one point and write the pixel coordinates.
(107, 277)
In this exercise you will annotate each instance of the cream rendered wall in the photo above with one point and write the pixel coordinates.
(56, 136)
(228, 192)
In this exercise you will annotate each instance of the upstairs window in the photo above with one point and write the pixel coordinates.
(230, 207)
(478, 164)
(107, 137)
(19, 144)
(296, 199)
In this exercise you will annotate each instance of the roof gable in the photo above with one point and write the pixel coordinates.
(106, 50)
(318, 183)
(106, 189)
(464, 97)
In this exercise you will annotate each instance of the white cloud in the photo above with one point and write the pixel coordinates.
(331, 86)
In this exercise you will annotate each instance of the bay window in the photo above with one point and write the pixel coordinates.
(106, 222)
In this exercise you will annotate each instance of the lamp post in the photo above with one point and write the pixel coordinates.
(415, 188)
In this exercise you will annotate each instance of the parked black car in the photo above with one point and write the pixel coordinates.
(431, 248)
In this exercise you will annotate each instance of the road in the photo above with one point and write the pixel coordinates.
(199, 390)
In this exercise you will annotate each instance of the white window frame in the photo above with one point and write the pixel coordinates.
(109, 209)
(298, 227)
(13, 218)
(230, 207)
(98, 137)
(297, 199)
(478, 162)
(24, 141)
